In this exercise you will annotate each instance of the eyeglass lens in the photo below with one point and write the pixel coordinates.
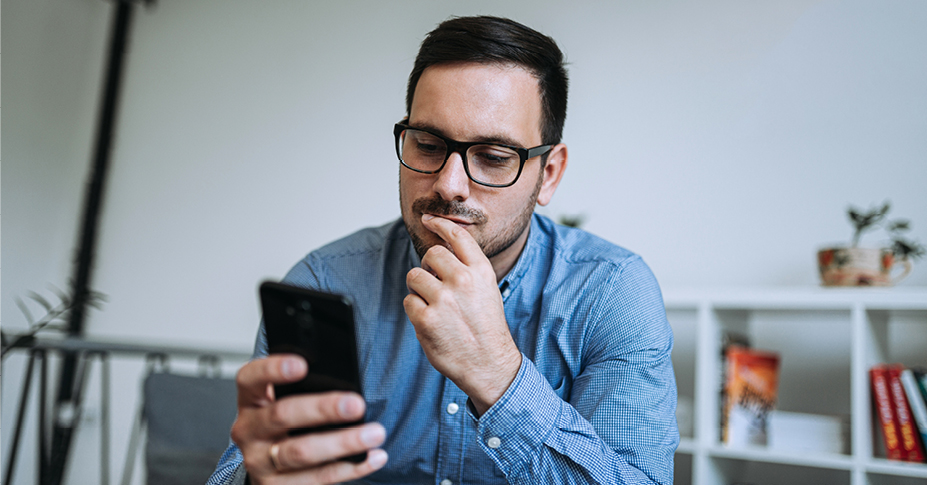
(490, 164)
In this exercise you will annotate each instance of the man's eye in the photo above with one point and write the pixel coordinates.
(428, 148)
(494, 156)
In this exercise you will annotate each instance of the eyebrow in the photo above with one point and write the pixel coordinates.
(496, 139)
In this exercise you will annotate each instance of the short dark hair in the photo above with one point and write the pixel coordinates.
(488, 40)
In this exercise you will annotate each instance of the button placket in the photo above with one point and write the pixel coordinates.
(451, 435)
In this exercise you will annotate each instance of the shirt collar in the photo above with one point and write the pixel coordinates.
(525, 259)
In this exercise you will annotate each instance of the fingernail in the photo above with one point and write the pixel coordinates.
(427, 217)
(373, 435)
(349, 406)
(292, 368)
(377, 458)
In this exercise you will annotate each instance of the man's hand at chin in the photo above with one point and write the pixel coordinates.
(456, 308)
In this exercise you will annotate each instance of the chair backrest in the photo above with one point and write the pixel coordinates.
(188, 421)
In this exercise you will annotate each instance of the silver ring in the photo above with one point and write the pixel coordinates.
(275, 456)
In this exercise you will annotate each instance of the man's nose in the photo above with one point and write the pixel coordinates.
(452, 182)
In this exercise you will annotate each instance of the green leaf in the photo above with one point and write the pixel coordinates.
(899, 225)
(854, 215)
(23, 308)
(885, 208)
(42, 301)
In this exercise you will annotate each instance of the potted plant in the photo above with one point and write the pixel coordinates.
(867, 266)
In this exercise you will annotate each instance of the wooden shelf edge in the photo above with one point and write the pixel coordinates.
(807, 459)
(796, 298)
(832, 461)
(687, 446)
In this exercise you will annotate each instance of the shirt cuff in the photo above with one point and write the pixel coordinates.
(512, 430)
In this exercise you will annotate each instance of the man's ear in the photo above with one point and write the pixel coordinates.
(552, 173)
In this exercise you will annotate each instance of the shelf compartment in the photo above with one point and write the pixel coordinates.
(814, 347)
(682, 469)
(684, 324)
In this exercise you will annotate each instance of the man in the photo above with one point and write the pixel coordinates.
(494, 345)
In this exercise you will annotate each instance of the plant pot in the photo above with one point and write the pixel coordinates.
(860, 267)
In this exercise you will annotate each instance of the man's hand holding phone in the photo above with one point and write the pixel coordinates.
(273, 456)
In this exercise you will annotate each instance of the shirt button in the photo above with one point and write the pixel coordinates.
(494, 442)
(505, 294)
(446, 482)
(452, 408)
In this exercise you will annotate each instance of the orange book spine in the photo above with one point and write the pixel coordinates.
(910, 438)
(751, 388)
(882, 400)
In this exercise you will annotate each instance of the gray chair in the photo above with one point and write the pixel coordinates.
(187, 419)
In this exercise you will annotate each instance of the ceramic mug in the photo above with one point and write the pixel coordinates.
(860, 267)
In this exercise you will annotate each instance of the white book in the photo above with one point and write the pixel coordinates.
(797, 432)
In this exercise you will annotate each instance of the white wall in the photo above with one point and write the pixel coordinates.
(721, 139)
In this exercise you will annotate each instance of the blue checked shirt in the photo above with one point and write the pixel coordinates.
(593, 402)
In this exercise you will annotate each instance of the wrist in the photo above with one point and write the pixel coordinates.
(486, 396)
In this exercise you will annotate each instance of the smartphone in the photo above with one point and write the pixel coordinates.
(319, 327)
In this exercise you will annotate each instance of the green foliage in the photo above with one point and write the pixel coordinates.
(572, 220)
(55, 317)
(875, 217)
(865, 221)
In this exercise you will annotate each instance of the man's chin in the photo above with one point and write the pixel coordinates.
(423, 239)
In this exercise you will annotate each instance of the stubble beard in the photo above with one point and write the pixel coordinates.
(492, 246)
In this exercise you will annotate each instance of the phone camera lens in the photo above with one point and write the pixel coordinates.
(290, 311)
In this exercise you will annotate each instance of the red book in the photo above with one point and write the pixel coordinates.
(907, 428)
(882, 400)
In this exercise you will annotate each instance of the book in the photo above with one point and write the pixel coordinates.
(911, 447)
(920, 375)
(751, 390)
(916, 402)
(728, 339)
(791, 432)
(885, 412)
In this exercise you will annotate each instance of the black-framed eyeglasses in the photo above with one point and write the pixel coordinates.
(489, 164)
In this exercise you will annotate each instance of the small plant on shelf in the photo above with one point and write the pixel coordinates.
(861, 266)
(574, 220)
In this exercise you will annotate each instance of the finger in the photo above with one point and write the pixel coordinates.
(254, 377)
(314, 410)
(441, 262)
(462, 243)
(414, 305)
(315, 449)
(423, 284)
(336, 472)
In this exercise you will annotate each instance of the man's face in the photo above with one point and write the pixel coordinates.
(475, 102)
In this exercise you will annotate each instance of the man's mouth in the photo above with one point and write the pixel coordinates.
(453, 211)
(455, 219)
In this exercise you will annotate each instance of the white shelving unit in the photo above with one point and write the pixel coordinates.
(827, 340)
